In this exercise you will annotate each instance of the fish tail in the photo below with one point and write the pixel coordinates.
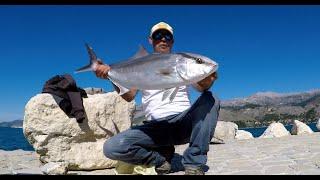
(92, 61)
(85, 68)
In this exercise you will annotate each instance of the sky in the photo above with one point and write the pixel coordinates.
(258, 48)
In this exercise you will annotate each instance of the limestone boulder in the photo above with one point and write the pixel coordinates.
(299, 128)
(224, 132)
(52, 168)
(59, 138)
(275, 130)
(318, 124)
(242, 134)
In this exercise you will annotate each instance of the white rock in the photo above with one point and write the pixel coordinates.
(92, 90)
(275, 130)
(54, 168)
(318, 124)
(299, 128)
(58, 138)
(242, 134)
(224, 131)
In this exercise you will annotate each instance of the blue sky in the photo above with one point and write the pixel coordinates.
(258, 48)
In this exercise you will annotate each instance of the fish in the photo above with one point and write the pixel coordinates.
(156, 71)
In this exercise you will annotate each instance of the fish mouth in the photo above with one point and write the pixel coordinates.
(214, 66)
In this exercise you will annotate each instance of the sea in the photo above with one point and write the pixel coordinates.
(13, 138)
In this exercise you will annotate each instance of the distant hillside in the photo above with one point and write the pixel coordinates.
(12, 124)
(262, 108)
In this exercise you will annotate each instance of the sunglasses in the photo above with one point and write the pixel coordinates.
(162, 34)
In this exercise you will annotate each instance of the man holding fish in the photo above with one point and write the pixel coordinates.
(172, 120)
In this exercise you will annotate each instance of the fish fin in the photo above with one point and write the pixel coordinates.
(122, 89)
(140, 53)
(92, 54)
(171, 93)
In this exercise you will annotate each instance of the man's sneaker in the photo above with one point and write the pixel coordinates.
(193, 171)
(165, 168)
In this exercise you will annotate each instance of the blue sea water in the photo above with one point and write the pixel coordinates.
(13, 138)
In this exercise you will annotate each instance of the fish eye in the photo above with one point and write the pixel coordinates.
(199, 61)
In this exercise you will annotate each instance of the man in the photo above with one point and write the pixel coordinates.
(170, 123)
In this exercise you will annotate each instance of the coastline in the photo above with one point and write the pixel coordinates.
(19, 142)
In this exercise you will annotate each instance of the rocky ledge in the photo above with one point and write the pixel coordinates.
(284, 155)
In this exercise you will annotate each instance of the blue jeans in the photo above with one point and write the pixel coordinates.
(195, 126)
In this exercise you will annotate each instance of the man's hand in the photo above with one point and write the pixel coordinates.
(207, 82)
(102, 70)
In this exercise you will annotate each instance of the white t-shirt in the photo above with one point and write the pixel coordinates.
(154, 107)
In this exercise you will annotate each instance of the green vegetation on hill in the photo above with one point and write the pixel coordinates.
(246, 106)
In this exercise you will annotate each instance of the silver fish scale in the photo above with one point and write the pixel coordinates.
(155, 71)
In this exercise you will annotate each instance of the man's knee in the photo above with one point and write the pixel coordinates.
(109, 149)
(114, 147)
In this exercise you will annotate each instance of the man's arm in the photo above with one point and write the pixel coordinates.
(206, 83)
(102, 72)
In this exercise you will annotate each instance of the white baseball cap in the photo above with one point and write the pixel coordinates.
(161, 25)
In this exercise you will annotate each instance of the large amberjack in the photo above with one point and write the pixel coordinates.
(146, 71)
